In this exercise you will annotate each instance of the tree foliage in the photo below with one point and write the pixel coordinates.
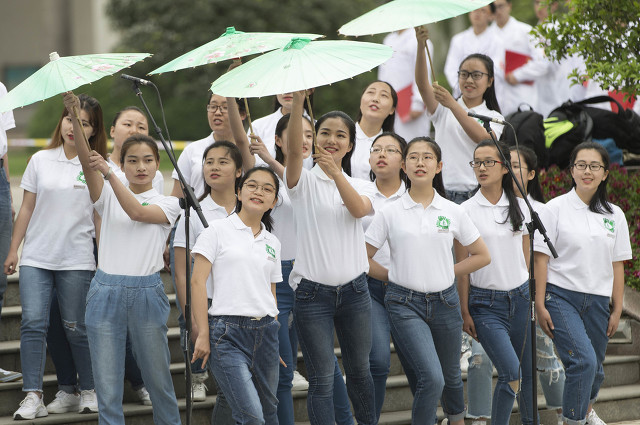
(605, 34)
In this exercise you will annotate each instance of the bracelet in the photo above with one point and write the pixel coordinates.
(106, 176)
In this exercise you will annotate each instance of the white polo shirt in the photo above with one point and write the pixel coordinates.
(157, 183)
(60, 232)
(284, 225)
(457, 147)
(211, 212)
(420, 240)
(587, 244)
(190, 163)
(243, 268)
(360, 157)
(508, 268)
(330, 248)
(382, 257)
(130, 247)
(7, 122)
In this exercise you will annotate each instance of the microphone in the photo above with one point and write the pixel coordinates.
(136, 80)
(484, 118)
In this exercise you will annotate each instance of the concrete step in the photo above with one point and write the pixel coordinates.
(135, 414)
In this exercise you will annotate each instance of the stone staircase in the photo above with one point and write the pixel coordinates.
(619, 398)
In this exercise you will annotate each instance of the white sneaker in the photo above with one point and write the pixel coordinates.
(9, 376)
(560, 419)
(198, 388)
(479, 422)
(299, 382)
(64, 402)
(88, 402)
(464, 361)
(445, 421)
(31, 407)
(144, 397)
(593, 419)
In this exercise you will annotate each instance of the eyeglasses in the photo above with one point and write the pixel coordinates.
(583, 166)
(213, 108)
(487, 163)
(415, 157)
(389, 150)
(476, 75)
(267, 189)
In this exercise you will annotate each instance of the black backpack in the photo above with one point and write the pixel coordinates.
(622, 126)
(529, 128)
(567, 126)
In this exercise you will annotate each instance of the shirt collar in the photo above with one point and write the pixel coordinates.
(575, 200)
(360, 135)
(239, 224)
(408, 202)
(482, 107)
(63, 158)
(480, 199)
(401, 190)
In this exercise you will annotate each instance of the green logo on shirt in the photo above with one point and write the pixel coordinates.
(610, 225)
(144, 204)
(81, 178)
(443, 222)
(271, 251)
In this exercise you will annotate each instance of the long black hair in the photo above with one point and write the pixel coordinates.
(514, 214)
(437, 183)
(531, 161)
(234, 154)
(489, 95)
(351, 126)
(401, 144)
(266, 219)
(388, 123)
(283, 124)
(600, 201)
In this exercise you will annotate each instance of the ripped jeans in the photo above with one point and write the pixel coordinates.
(36, 293)
(550, 370)
(479, 380)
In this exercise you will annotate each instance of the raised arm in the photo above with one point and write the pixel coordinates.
(422, 73)
(239, 135)
(295, 141)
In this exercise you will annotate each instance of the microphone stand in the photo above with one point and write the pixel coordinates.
(187, 202)
(535, 224)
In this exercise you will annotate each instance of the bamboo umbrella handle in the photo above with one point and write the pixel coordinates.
(246, 107)
(313, 121)
(433, 74)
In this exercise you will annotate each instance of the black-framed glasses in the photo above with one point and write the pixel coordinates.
(213, 108)
(594, 166)
(267, 188)
(389, 150)
(476, 75)
(415, 157)
(487, 163)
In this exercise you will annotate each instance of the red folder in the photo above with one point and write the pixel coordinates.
(619, 96)
(403, 109)
(514, 60)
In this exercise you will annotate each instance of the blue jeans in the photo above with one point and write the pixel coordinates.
(36, 293)
(580, 323)
(318, 309)
(62, 358)
(479, 377)
(459, 197)
(380, 355)
(428, 329)
(118, 305)
(244, 360)
(5, 229)
(550, 370)
(502, 323)
(288, 346)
